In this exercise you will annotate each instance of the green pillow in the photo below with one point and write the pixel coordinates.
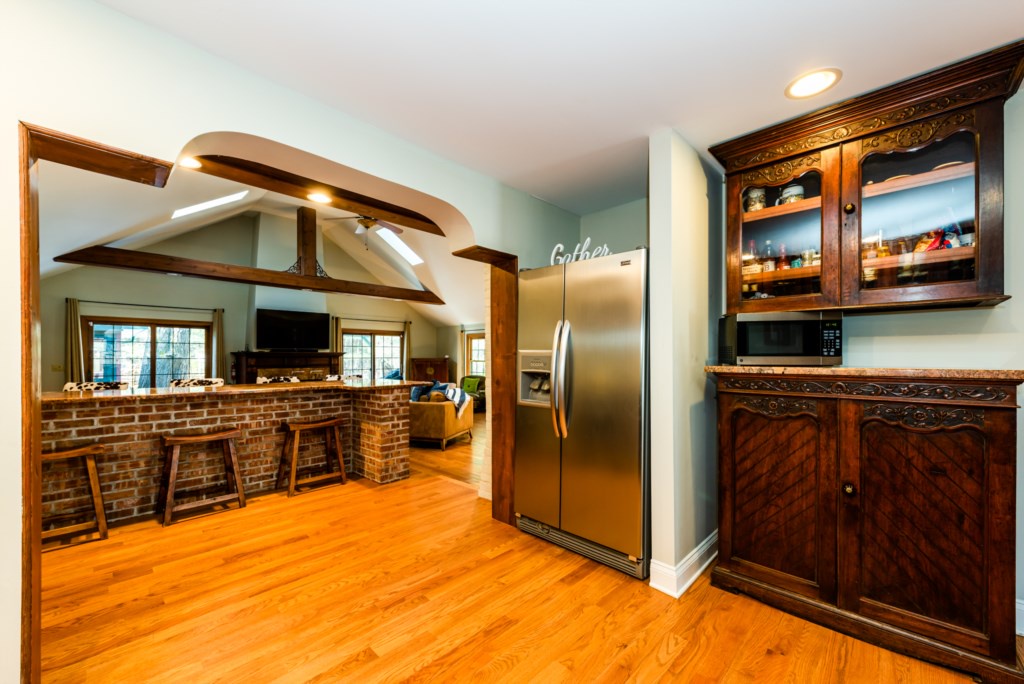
(470, 384)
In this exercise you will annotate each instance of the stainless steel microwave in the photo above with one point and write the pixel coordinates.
(784, 338)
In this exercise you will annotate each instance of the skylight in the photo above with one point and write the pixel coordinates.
(203, 206)
(403, 249)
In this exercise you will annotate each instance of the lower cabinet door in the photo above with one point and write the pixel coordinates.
(778, 497)
(926, 511)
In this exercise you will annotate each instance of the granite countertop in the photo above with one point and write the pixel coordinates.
(889, 373)
(231, 390)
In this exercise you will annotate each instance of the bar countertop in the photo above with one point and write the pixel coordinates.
(230, 390)
(1016, 376)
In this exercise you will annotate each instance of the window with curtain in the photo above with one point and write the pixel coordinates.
(476, 354)
(371, 353)
(146, 353)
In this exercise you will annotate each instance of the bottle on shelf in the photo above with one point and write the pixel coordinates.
(782, 263)
(751, 263)
(768, 260)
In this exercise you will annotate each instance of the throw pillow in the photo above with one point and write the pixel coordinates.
(419, 391)
(470, 384)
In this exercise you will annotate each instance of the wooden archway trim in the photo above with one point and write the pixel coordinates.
(37, 143)
(501, 385)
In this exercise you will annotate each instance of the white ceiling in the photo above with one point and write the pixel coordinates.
(557, 97)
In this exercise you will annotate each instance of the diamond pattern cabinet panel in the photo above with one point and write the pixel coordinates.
(780, 464)
(923, 538)
(923, 527)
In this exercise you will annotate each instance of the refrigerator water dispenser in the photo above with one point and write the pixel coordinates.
(535, 378)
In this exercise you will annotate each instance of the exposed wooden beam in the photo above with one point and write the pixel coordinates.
(80, 153)
(305, 240)
(293, 185)
(112, 257)
(503, 260)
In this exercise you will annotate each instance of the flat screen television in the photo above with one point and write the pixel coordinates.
(278, 330)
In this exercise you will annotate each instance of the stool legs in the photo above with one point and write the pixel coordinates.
(168, 483)
(288, 468)
(88, 455)
(97, 495)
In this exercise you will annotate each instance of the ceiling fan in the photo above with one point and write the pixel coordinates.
(368, 222)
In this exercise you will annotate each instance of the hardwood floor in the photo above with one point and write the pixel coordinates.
(410, 581)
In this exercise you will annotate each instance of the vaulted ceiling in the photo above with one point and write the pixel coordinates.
(557, 97)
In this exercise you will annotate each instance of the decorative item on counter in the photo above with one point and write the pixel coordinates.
(791, 193)
(755, 199)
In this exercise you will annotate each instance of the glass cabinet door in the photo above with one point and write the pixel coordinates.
(917, 220)
(781, 245)
(922, 212)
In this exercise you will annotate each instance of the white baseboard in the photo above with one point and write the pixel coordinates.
(675, 580)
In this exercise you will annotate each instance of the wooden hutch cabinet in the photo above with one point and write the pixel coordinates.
(891, 199)
(877, 502)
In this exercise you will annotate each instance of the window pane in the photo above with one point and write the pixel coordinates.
(181, 354)
(120, 353)
(387, 354)
(358, 359)
(476, 354)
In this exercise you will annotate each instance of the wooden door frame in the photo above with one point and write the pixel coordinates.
(37, 144)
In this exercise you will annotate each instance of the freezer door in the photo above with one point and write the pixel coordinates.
(603, 452)
(537, 466)
(540, 306)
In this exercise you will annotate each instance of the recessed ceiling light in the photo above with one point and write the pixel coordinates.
(203, 206)
(319, 197)
(813, 82)
(190, 162)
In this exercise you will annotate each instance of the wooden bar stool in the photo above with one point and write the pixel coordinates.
(290, 453)
(88, 453)
(172, 447)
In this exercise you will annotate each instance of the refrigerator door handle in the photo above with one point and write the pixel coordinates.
(554, 377)
(563, 353)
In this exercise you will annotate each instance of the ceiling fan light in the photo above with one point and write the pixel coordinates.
(360, 229)
(813, 83)
(189, 163)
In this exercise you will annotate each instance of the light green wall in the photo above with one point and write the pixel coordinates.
(91, 72)
(622, 228)
(222, 241)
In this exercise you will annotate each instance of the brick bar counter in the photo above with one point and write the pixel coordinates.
(375, 437)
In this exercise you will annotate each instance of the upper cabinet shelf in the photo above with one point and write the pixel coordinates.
(892, 199)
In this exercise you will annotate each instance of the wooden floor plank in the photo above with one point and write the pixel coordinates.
(410, 581)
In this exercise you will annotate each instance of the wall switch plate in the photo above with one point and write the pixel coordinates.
(57, 368)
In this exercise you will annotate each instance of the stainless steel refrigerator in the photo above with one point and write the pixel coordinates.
(581, 461)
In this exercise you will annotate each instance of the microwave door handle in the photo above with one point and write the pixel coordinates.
(553, 377)
(563, 390)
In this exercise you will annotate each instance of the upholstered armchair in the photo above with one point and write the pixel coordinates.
(478, 383)
(434, 418)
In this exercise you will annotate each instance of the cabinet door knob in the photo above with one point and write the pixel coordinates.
(849, 489)
(849, 208)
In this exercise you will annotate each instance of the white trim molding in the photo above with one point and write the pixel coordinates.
(1020, 617)
(674, 581)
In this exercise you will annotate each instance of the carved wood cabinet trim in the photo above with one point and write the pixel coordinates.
(994, 75)
(937, 392)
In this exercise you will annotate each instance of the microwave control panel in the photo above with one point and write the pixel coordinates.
(831, 338)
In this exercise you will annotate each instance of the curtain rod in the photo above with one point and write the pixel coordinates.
(148, 306)
(373, 320)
